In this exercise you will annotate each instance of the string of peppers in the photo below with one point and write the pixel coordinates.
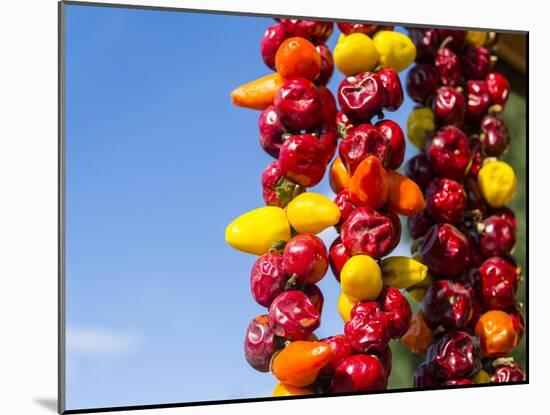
(300, 127)
(470, 320)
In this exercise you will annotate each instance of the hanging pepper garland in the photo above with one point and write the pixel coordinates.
(470, 320)
(301, 128)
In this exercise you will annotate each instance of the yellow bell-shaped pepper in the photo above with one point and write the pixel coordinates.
(420, 126)
(256, 231)
(355, 53)
(345, 304)
(476, 38)
(312, 213)
(396, 50)
(497, 182)
(402, 272)
(361, 278)
(287, 390)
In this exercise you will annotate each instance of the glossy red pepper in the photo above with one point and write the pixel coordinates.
(293, 315)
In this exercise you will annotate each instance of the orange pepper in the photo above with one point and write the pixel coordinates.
(298, 58)
(258, 94)
(419, 336)
(404, 195)
(299, 363)
(369, 184)
(287, 390)
(338, 177)
(496, 333)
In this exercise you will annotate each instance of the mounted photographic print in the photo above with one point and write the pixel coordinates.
(272, 207)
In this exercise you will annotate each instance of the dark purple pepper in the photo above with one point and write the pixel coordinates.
(449, 67)
(479, 100)
(419, 170)
(445, 250)
(497, 237)
(449, 106)
(494, 135)
(454, 355)
(422, 82)
(426, 42)
(476, 62)
(447, 304)
(419, 224)
(260, 343)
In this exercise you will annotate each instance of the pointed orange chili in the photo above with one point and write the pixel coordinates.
(258, 94)
(299, 363)
(339, 177)
(404, 195)
(369, 184)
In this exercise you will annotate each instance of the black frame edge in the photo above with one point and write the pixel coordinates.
(61, 329)
(285, 398)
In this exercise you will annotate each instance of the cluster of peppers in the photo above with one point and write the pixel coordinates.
(302, 129)
(470, 320)
(370, 194)
(297, 128)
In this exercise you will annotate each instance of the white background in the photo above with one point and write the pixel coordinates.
(28, 205)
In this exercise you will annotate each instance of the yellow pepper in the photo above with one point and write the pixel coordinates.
(497, 182)
(402, 272)
(312, 213)
(420, 126)
(345, 304)
(287, 390)
(396, 50)
(476, 38)
(355, 53)
(361, 278)
(482, 377)
(256, 231)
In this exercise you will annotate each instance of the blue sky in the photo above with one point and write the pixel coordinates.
(158, 163)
